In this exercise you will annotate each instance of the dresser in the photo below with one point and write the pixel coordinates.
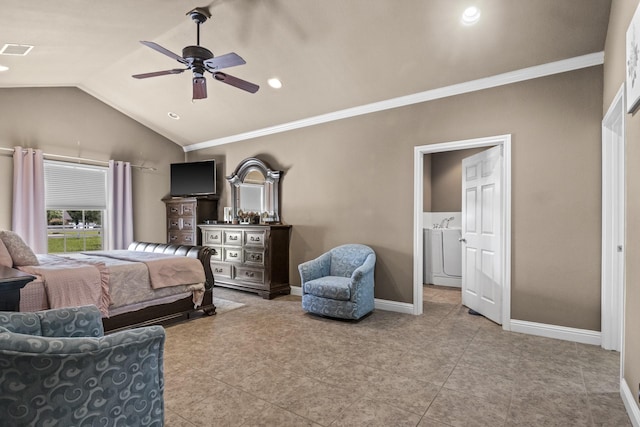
(183, 213)
(253, 258)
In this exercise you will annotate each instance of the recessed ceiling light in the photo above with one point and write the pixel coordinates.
(174, 116)
(471, 15)
(3, 68)
(275, 83)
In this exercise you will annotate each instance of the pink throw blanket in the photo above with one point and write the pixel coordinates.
(70, 283)
(164, 270)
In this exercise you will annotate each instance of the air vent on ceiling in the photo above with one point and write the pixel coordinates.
(15, 49)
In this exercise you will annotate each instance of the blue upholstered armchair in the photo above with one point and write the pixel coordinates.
(57, 368)
(340, 282)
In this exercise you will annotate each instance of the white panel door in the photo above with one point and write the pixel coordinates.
(481, 227)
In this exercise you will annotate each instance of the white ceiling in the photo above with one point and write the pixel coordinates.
(330, 55)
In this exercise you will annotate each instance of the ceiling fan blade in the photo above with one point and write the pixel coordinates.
(224, 61)
(159, 73)
(167, 52)
(199, 88)
(236, 82)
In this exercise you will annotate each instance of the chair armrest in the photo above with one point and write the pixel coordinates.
(315, 268)
(367, 267)
(84, 321)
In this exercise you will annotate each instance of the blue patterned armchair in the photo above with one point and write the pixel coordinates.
(340, 282)
(57, 368)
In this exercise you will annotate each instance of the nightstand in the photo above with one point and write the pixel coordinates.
(11, 281)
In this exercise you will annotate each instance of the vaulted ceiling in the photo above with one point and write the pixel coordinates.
(330, 55)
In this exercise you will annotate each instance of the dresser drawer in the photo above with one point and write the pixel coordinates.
(232, 237)
(174, 223)
(254, 238)
(181, 209)
(188, 223)
(252, 257)
(216, 253)
(221, 270)
(188, 209)
(180, 223)
(232, 255)
(181, 238)
(212, 237)
(252, 275)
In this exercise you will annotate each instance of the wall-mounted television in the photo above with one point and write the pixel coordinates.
(193, 178)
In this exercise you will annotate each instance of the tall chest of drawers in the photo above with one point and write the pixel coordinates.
(183, 213)
(250, 257)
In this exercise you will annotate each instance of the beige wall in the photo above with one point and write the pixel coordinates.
(614, 76)
(352, 181)
(67, 121)
(446, 179)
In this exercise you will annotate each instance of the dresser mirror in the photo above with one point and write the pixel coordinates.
(254, 189)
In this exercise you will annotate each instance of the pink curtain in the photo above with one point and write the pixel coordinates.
(119, 206)
(29, 213)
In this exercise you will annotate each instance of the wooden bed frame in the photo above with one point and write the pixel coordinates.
(172, 312)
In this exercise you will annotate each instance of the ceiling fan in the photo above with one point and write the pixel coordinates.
(199, 59)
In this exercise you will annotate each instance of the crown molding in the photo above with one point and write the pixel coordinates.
(523, 74)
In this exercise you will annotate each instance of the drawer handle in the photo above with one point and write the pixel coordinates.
(174, 223)
(233, 237)
(255, 239)
(249, 273)
(255, 257)
(173, 237)
(174, 210)
(233, 255)
(218, 270)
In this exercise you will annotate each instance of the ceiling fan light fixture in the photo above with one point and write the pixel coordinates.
(275, 83)
(470, 16)
(199, 60)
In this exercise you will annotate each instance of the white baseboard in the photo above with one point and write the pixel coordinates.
(630, 403)
(398, 307)
(380, 304)
(583, 336)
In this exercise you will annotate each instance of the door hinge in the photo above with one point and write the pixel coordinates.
(619, 248)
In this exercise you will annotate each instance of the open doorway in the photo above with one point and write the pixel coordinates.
(419, 218)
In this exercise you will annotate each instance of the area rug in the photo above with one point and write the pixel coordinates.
(224, 305)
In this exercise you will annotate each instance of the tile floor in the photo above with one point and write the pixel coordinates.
(270, 364)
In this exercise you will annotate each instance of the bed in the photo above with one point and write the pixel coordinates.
(149, 283)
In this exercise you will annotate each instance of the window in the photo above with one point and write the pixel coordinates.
(76, 200)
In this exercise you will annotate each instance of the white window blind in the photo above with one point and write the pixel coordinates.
(75, 187)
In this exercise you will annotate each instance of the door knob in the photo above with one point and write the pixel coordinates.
(462, 240)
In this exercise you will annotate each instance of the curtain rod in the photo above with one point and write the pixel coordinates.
(78, 159)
